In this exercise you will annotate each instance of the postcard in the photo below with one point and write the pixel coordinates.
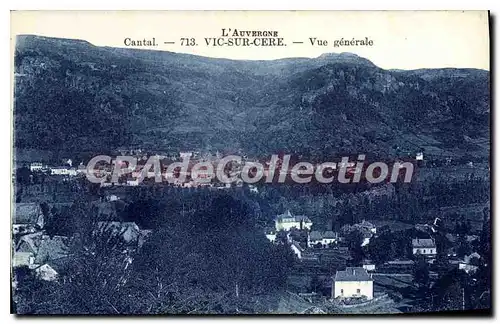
(250, 163)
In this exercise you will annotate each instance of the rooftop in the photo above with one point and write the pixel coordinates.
(317, 235)
(353, 274)
(330, 235)
(287, 217)
(423, 243)
(52, 248)
(27, 213)
(117, 226)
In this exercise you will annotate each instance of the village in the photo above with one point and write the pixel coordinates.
(326, 269)
(337, 268)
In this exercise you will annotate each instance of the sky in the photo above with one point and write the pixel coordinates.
(401, 39)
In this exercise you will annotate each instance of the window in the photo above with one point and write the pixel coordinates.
(425, 251)
(342, 291)
(358, 291)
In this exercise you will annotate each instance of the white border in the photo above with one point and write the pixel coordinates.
(5, 119)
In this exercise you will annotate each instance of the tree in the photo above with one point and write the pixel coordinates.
(464, 247)
(95, 280)
(381, 248)
(315, 285)
(354, 241)
(421, 273)
(23, 175)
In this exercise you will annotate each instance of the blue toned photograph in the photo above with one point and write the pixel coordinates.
(251, 163)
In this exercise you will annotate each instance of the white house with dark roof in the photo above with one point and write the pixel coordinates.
(36, 166)
(352, 282)
(287, 221)
(271, 236)
(324, 238)
(425, 247)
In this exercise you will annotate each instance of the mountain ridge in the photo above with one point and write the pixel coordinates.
(66, 89)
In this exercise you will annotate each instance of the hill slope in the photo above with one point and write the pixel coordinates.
(73, 96)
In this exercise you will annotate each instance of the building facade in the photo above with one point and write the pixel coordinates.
(324, 238)
(287, 221)
(353, 282)
(425, 247)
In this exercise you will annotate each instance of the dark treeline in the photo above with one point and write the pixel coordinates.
(211, 261)
(207, 252)
(327, 205)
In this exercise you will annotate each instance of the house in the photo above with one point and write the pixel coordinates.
(29, 243)
(36, 166)
(352, 282)
(315, 237)
(63, 171)
(470, 263)
(128, 231)
(368, 265)
(27, 218)
(46, 272)
(271, 236)
(36, 249)
(21, 259)
(324, 238)
(52, 248)
(287, 221)
(425, 247)
(51, 270)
